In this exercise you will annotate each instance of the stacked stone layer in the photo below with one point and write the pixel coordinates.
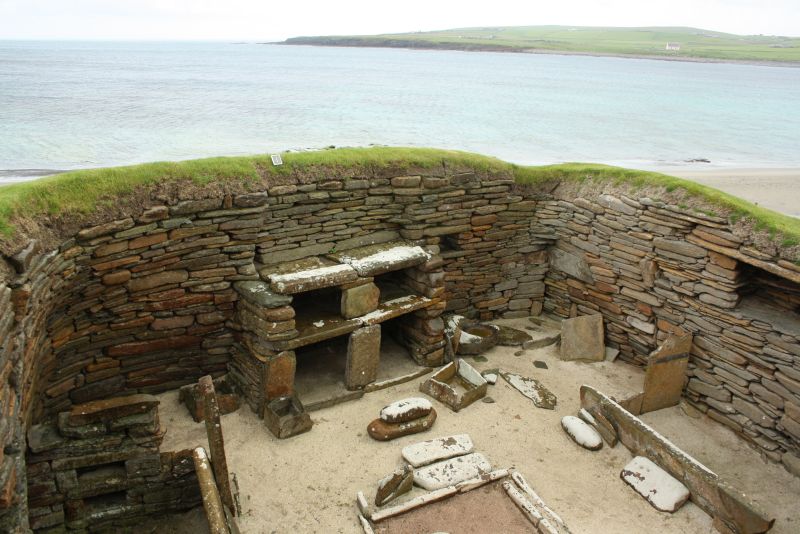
(147, 302)
(652, 269)
(98, 467)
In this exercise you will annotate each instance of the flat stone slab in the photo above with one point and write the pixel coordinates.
(582, 338)
(110, 409)
(660, 489)
(434, 450)
(396, 307)
(543, 340)
(373, 260)
(451, 472)
(406, 410)
(382, 431)
(511, 337)
(490, 377)
(611, 354)
(581, 433)
(258, 293)
(306, 275)
(666, 373)
(533, 389)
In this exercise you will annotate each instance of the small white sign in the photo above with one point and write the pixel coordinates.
(276, 159)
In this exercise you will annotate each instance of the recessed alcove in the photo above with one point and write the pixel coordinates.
(320, 371)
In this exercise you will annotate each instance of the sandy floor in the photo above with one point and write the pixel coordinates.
(308, 483)
(776, 189)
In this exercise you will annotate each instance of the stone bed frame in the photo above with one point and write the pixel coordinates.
(153, 299)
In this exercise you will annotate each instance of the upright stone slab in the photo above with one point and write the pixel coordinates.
(582, 339)
(666, 373)
(726, 505)
(360, 300)
(363, 356)
(279, 375)
(571, 264)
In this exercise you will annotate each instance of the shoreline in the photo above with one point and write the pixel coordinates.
(771, 188)
(413, 45)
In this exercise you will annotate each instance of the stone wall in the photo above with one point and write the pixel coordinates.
(652, 268)
(99, 468)
(144, 301)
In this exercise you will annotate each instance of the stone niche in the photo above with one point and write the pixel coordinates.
(318, 328)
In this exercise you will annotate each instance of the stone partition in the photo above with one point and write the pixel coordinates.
(146, 295)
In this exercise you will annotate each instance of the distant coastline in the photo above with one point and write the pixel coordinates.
(420, 45)
(662, 43)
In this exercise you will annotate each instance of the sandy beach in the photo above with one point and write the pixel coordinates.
(308, 483)
(774, 188)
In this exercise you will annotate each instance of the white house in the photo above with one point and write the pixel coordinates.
(673, 46)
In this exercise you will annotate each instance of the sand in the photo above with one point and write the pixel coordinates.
(776, 189)
(308, 483)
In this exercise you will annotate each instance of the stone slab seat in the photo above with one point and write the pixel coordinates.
(307, 275)
(373, 260)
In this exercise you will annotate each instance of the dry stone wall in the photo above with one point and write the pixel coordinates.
(98, 468)
(146, 301)
(652, 269)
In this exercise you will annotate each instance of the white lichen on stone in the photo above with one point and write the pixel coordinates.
(433, 450)
(399, 409)
(385, 258)
(660, 489)
(581, 433)
(452, 471)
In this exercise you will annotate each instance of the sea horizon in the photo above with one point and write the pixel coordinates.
(87, 104)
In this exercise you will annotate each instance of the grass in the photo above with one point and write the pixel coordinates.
(81, 192)
(648, 41)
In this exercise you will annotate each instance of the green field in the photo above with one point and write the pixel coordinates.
(695, 44)
(82, 192)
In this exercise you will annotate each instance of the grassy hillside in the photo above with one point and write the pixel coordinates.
(694, 43)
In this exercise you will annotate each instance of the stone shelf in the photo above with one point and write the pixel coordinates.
(323, 322)
(316, 327)
(373, 260)
(395, 308)
(340, 268)
(307, 275)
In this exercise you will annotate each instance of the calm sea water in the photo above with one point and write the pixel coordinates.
(75, 105)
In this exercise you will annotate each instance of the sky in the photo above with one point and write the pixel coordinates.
(269, 20)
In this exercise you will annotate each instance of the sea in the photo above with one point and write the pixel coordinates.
(73, 105)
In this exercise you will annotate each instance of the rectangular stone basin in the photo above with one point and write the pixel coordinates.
(457, 384)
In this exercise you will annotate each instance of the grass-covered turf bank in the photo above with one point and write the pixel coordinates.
(82, 192)
(649, 41)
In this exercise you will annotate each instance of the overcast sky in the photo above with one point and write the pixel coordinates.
(249, 20)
